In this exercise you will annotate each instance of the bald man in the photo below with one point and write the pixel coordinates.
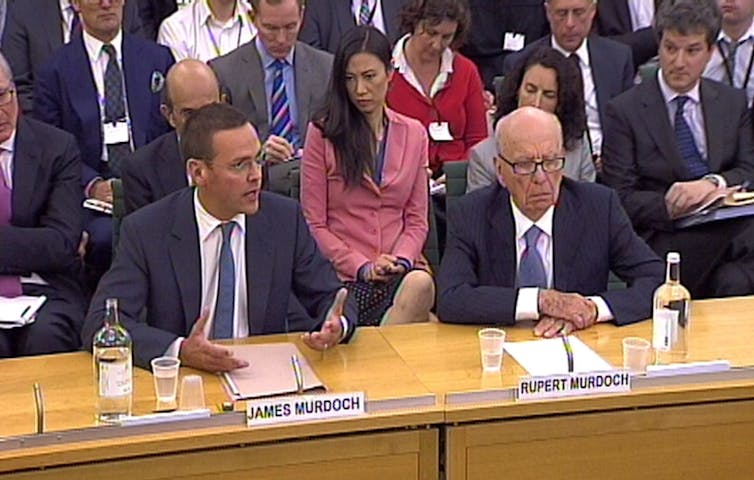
(537, 246)
(157, 169)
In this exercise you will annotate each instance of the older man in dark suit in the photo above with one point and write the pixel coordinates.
(220, 260)
(541, 247)
(40, 227)
(672, 141)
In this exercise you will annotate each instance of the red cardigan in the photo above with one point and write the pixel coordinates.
(460, 103)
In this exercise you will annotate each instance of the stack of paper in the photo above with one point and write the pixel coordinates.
(548, 356)
(19, 311)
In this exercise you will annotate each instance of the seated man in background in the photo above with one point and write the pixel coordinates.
(676, 138)
(541, 247)
(40, 227)
(219, 260)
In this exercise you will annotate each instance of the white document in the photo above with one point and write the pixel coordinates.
(440, 132)
(513, 42)
(548, 356)
(19, 311)
(115, 133)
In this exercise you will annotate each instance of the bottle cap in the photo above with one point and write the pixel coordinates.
(674, 257)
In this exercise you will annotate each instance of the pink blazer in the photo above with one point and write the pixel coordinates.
(354, 226)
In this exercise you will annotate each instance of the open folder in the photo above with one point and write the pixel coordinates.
(19, 311)
(269, 373)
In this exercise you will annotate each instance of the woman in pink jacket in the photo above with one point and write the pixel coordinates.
(364, 186)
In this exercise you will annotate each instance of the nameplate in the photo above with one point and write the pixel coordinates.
(575, 384)
(688, 368)
(301, 408)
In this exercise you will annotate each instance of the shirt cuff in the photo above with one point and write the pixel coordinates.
(174, 349)
(604, 314)
(404, 262)
(344, 325)
(527, 304)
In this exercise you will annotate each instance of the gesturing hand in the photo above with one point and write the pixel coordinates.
(331, 331)
(198, 352)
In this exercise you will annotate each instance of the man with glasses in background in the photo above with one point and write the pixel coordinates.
(540, 247)
(220, 260)
(278, 83)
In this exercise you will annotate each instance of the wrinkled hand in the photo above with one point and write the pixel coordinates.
(277, 150)
(549, 327)
(102, 190)
(331, 331)
(198, 352)
(682, 197)
(571, 307)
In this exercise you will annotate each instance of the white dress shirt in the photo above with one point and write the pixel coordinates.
(194, 32)
(642, 12)
(692, 112)
(67, 13)
(590, 93)
(400, 63)
(375, 6)
(527, 303)
(744, 56)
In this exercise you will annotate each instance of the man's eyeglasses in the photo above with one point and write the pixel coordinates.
(6, 95)
(528, 167)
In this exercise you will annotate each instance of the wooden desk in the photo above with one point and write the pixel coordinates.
(685, 431)
(389, 444)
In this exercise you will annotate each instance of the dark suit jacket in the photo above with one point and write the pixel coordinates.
(159, 269)
(152, 172)
(325, 22)
(592, 236)
(66, 96)
(610, 61)
(46, 220)
(33, 31)
(614, 20)
(152, 13)
(641, 159)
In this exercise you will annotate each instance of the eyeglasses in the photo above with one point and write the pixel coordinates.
(6, 95)
(528, 167)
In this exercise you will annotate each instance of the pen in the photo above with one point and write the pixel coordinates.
(26, 310)
(297, 374)
(569, 352)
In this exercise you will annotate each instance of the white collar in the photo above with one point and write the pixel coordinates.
(9, 144)
(205, 13)
(748, 34)
(207, 223)
(94, 46)
(582, 52)
(669, 94)
(524, 223)
(400, 62)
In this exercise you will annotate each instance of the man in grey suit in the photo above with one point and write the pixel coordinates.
(35, 29)
(278, 83)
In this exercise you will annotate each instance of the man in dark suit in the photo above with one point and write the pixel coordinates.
(606, 66)
(35, 29)
(157, 169)
(103, 87)
(325, 21)
(541, 247)
(672, 141)
(248, 75)
(168, 261)
(615, 20)
(152, 13)
(40, 227)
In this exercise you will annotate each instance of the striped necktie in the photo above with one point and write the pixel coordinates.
(222, 326)
(115, 108)
(695, 164)
(10, 286)
(365, 14)
(281, 124)
(531, 268)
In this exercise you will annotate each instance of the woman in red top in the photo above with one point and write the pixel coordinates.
(435, 84)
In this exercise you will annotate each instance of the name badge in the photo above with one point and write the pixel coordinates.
(440, 132)
(115, 132)
(513, 41)
(300, 408)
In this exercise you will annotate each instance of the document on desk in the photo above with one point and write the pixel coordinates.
(270, 372)
(548, 357)
(19, 311)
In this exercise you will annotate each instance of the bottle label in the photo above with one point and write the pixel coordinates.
(664, 328)
(114, 379)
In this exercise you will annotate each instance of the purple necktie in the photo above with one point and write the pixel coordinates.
(10, 286)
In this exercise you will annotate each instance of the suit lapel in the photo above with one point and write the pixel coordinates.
(184, 257)
(52, 16)
(390, 10)
(343, 16)
(260, 259)
(395, 143)
(172, 177)
(502, 237)
(255, 71)
(713, 111)
(655, 113)
(601, 73)
(304, 83)
(567, 226)
(27, 153)
(135, 70)
(81, 87)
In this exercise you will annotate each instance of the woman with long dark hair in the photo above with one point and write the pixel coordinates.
(364, 186)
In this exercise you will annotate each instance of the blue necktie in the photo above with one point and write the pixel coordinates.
(226, 287)
(531, 268)
(281, 124)
(695, 165)
(115, 109)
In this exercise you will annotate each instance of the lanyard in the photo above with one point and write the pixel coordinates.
(729, 73)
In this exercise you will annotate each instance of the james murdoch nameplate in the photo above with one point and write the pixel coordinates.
(301, 408)
(572, 385)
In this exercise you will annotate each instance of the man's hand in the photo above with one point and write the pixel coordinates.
(102, 190)
(277, 150)
(332, 330)
(682, 197)
(571, 307)
(198, 352)
(549, 327)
